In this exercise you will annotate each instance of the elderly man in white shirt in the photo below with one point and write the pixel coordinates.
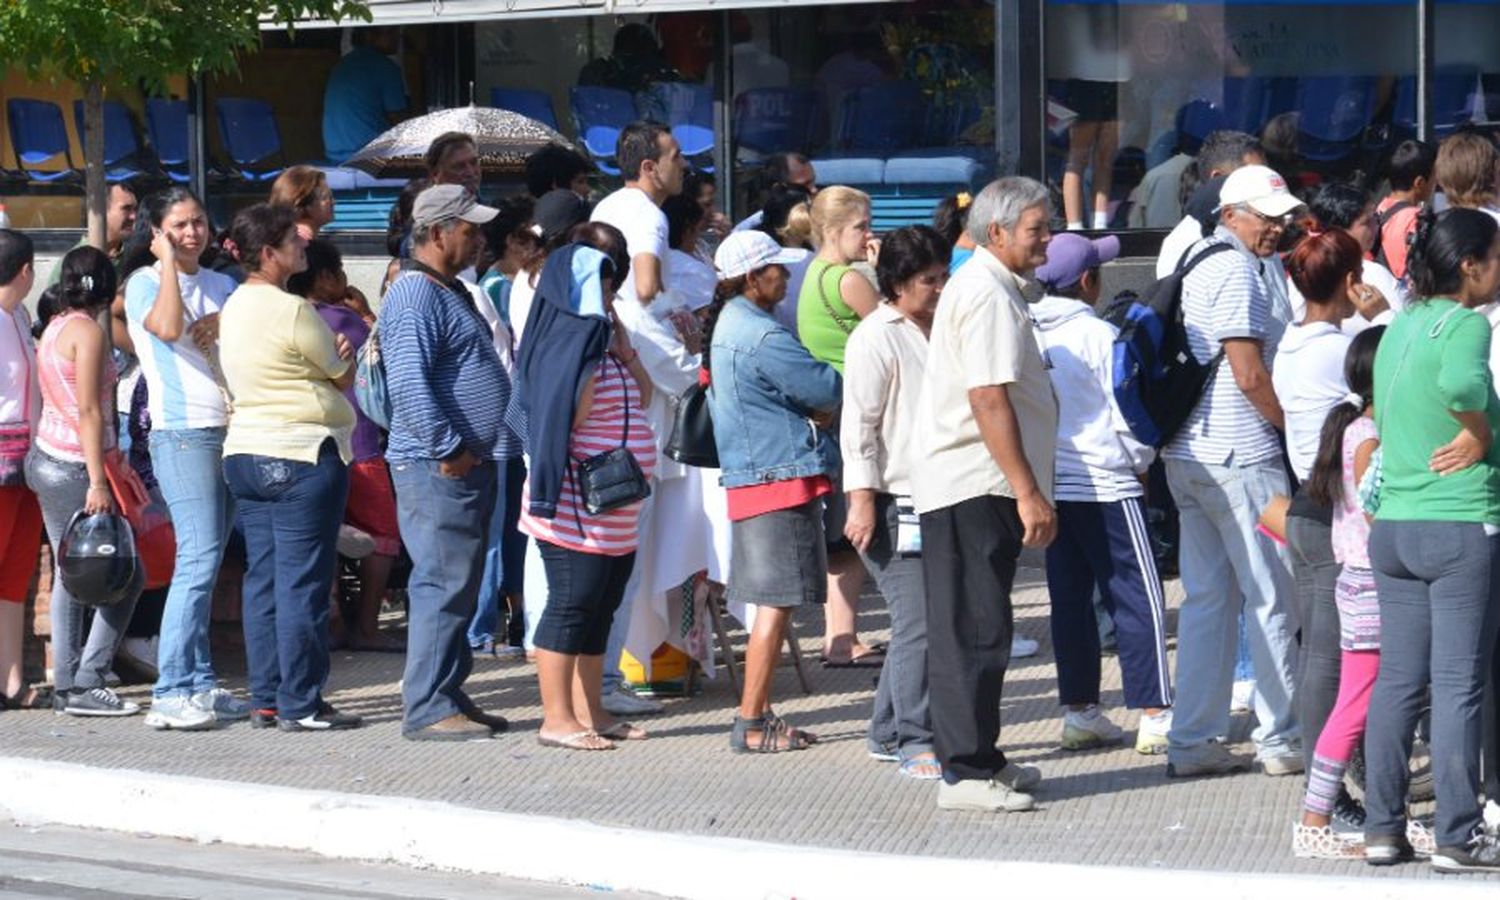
(986, 442)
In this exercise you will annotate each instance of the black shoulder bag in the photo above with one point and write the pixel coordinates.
(692, 440)
(613, 479)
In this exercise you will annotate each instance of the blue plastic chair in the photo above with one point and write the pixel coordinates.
(1252, 101)
(530, 103)
(37, 136)
(122, 149)
(248, 129)
(678, 103)
(600, 114)
(882, 119)
(697, 144)
(850, 170)
(1333, 112)
(167, 124)
(774, 120)
(1453, 91)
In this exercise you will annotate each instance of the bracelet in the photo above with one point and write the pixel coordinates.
(98, 487)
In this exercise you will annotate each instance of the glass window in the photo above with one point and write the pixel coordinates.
(1133, 88)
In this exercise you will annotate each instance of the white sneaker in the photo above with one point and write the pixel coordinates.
(179, 714)
(1022, 646)
(1242, 699)
(1088, 728)
(223, 705)
(1151, 733)
(983, 796)
(1492, 817)
(625, 702)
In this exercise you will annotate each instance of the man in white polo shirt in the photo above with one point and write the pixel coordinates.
(982, 482)
(1224, 467)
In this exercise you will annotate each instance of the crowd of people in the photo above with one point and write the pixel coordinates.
(916, 407)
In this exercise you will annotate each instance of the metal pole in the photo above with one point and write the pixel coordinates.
(1426, 53)
(197, 138)
(1008, 130)
(723, 124)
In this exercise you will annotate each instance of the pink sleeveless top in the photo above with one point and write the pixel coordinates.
(57, 434)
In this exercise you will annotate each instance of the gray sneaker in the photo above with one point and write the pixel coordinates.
(983, 796)
(1211, 758)
(1481, 854)
(179, 714)
(96, 702)
(222, 704)
(625, 702)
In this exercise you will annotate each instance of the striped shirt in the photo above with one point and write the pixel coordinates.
(448, 388)
(612, 533)
(182, 388)
(58, 434)
(1225, 298)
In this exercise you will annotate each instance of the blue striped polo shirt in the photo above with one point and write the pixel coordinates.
(448, 388)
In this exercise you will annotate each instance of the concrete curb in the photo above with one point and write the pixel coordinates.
(439, 835)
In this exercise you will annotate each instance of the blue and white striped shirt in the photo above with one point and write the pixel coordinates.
(448, 388)
(1226, 297)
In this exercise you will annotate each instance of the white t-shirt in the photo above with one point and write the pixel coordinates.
(692, 281)
(1376, 276)
(183, 390)
(1308, 377)
(18, 374)
(644, 226)
(522, 294)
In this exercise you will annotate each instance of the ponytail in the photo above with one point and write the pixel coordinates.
(1325, 484)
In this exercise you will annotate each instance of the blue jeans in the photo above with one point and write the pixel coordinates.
(188, 464)
(1437, 583)
(504, 557)
(901, 718)
(290, 512)
(1227, 566)
(445, 523)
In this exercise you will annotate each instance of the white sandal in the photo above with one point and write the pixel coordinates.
(1322, 842)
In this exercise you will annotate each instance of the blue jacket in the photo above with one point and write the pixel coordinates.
(764, 386)
(566, 335)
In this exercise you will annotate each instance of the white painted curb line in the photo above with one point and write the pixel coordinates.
(440, 835)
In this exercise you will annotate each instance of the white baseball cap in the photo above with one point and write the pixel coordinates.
(1259, 188)
(745, 251)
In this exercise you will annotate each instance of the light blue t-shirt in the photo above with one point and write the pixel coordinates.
(182, 385)
(362, 89)
(961, 255)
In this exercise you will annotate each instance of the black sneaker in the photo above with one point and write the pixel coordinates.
(325, 719)
(99, 702)
(262, 718)
(1482, 854)
(1348, 818)
(1387, 849)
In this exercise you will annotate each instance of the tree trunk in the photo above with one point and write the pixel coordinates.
(96, 192)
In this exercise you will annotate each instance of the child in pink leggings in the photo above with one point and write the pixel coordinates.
(1348, 440)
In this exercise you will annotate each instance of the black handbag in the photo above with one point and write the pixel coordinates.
(692, 440)
(612, 479)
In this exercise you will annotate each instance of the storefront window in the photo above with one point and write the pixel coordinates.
(1133, 88)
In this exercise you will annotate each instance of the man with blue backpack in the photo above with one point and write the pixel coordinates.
(1224, 464)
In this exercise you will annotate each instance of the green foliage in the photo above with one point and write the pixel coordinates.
(127, 42)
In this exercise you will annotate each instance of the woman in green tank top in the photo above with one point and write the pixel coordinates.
(835, 297)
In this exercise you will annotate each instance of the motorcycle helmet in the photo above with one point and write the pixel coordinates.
(96, 559)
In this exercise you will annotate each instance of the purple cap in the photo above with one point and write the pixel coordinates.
(1070, 255)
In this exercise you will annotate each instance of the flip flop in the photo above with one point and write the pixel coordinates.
(624, 731)
(578, 740)
(871, 660)
(912, 767)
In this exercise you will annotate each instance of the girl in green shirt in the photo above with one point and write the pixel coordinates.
(1434, 542)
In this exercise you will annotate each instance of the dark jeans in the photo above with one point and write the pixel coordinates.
(901, 718)
(969, 553)
(444, 523)
(290, 512)
(1319, 658)
(583, 592)
(1437, 584)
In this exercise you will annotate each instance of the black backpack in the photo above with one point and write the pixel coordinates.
(1381, 220)
(1157, 380)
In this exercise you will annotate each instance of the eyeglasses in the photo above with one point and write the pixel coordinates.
(1282, 221)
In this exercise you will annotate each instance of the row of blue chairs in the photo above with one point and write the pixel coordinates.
(39, 139)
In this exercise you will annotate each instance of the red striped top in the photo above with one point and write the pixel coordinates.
(613, 533)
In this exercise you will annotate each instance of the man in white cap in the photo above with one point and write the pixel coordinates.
(1224, 466)
(448, 392)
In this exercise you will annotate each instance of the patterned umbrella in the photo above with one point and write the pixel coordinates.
(504, 139)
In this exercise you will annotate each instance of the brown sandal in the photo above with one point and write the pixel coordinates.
(27, 697)
(775, 736)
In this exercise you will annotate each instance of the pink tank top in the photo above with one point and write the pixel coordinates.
(57, 434)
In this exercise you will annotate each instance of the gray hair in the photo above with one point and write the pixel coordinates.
(421, 237)
(1002, 203)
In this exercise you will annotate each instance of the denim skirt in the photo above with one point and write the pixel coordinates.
(779, 558)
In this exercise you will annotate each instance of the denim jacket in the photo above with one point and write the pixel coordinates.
(764, 386)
